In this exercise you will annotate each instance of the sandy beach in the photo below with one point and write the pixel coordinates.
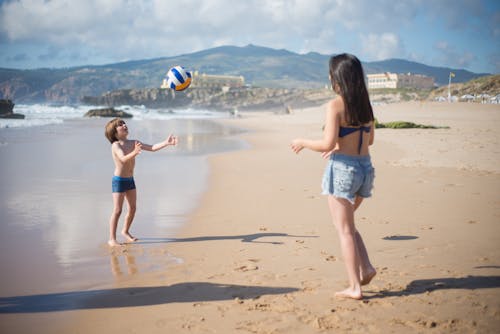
(259, 253)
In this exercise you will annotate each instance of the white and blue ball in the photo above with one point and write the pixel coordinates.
(178, 78)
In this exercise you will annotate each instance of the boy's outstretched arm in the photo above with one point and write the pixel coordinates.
(170, 141)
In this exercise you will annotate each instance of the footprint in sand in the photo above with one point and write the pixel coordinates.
(269, 324)
(309, 286)
(259, 307)
(161, 323)
(216, 276)
(247, 268)
(329, 257)
(305, 268)
(250, 266)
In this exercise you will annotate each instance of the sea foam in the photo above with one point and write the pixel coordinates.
(42, 114)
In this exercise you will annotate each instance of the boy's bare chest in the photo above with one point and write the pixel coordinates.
(127, 147)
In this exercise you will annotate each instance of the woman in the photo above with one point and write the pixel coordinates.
(348, 178)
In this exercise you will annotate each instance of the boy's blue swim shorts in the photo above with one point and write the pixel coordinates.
(122, 184)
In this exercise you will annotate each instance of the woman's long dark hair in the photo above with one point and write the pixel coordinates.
(347, 73)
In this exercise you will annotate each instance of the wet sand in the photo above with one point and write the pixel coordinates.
(260, 255)
(56, 197)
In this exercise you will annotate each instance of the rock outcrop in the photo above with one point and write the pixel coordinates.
(212, 98)
(107, 112)
(6, 110)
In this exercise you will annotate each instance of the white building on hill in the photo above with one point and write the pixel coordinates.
(382, 80)
(203, 79)
(402, 80)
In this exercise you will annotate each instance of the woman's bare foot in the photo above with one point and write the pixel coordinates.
(113, 243)
(349, 293)
(129, 237)
(367, 277)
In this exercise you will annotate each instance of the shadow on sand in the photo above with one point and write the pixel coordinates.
(139, 296)
(428, 285)
(400, 237)
(487, 267)
(244, 238)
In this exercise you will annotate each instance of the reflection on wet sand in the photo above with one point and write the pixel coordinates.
(57, 198)
(129, 261)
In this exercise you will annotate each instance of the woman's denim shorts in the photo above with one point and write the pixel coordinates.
(348, 176)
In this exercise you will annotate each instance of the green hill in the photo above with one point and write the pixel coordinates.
(264, 67)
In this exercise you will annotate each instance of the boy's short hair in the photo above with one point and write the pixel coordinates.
(110, 131)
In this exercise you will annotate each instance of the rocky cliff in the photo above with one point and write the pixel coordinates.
(7, 110)
(107, 112)
(212, 98)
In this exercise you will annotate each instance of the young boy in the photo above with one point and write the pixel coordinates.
(124, 151)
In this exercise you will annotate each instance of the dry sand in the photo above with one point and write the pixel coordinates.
(260, 255)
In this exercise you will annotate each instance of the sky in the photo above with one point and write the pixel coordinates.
(461, 34)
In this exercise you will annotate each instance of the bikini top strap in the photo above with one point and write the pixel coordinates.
(361, 130)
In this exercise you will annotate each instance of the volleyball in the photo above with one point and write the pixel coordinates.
(178, 78)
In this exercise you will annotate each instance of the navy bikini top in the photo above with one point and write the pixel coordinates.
(344, 131)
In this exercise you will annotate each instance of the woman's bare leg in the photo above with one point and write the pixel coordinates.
(342, 212)
(366, 269)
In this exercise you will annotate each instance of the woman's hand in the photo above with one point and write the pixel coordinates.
(326, 155)
(171, 140)
(297, 145)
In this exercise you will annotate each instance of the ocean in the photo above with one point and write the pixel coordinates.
(43, 114)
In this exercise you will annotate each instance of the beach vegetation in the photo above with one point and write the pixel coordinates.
(406, 125)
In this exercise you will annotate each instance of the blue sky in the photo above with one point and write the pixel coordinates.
(62, 33)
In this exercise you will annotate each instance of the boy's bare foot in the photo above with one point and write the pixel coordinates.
(129, 237)
(113, 243)
(349, 293)
(367, 277)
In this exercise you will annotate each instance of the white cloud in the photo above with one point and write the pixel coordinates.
(375, 16)
(132, 29)
(448, 55)
(383, 46)
(457, 14)
(141, 28)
